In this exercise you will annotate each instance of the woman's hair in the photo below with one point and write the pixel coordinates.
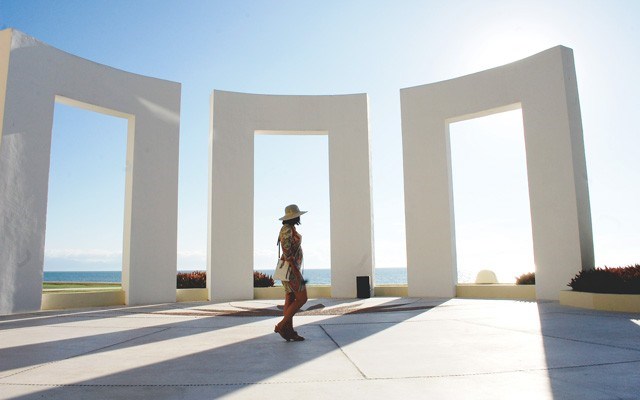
(292, 221)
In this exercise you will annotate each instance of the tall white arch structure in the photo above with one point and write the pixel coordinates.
(544, 86)
(236, 118)
(33, 76)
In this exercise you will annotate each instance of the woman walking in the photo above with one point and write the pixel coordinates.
(295, 289)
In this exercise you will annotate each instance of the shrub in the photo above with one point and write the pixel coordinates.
(526, 279)
(620, 280)
(189, 280)
(262, 280)
(198, 279)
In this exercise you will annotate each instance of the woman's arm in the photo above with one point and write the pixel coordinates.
(286, 241)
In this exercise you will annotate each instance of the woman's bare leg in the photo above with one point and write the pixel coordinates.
(299, 298)
(289, 300)
(282, 327)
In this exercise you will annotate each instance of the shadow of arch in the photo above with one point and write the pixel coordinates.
(192, 356)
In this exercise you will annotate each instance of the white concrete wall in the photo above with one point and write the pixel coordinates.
(236, 118)
(32, 77)
(544, 86)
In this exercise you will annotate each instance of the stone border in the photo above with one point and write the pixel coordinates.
(601, 301)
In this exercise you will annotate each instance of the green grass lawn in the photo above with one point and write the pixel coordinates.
(70, 287)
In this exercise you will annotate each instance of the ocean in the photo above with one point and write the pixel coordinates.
(383, 276)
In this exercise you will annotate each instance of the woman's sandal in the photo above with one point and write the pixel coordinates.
(282, 332)
(293, 334)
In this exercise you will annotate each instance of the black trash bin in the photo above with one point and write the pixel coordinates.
(363, 287)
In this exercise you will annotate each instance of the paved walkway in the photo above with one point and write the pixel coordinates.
(381, 348)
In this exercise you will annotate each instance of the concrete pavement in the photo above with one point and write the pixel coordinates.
(377, 348)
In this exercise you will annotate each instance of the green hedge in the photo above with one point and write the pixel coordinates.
(262, 280)
(526, 279)
(198, 279)
(191, 280)
(619, 280)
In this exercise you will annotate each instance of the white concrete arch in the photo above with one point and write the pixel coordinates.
(33, 76)
(236, 118)
(544, 86)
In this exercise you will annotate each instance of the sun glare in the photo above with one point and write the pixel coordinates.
(497, 47)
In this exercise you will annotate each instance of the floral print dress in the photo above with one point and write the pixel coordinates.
(291, 242)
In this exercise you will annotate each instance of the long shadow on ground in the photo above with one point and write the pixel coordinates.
(158, 359)
(591, 354)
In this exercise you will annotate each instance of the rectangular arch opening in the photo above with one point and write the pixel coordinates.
(86, 195)
(491, 197)
(292, 167)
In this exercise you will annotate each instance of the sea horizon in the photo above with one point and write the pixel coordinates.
(314, 276)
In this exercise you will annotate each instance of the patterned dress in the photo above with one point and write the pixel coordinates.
(291, 242)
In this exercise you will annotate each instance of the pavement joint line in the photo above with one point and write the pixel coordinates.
(592, 343)
(343, 352)
(398, 378)
(548, 336)
(605, 314)
(80, 354)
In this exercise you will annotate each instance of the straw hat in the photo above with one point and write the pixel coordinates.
(291, 211)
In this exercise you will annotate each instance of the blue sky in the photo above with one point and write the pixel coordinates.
(337, 47)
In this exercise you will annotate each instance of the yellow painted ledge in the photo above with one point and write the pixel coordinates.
(391, 291)
(268, 293)
(324, 291)
(496, 291)
(601, 301)
(61, 301)
(104, 298)
(277, 292)
(185, 295)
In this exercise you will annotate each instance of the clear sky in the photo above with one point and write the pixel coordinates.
(338, 47)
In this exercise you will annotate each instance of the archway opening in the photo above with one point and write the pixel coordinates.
(292, 167)
(86, 197)
(491, 197)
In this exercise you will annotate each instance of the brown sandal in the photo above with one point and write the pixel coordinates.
(283, 333)
(293, 334)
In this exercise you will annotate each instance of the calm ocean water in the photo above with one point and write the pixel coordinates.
(384, 276)
(83, 276)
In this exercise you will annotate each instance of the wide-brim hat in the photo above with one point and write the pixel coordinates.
(291, 211)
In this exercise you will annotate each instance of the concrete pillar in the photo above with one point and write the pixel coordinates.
(236, 118)
(544, 86)
(33, 76)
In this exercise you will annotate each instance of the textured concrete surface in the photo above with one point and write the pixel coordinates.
(375, 348)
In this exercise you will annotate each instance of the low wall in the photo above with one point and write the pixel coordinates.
(601, 301)
(277, 292)
(185, 295)
(103, 298)
(391, 291)
(495, 291)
